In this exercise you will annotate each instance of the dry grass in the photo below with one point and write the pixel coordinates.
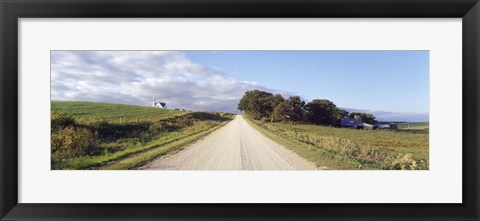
(90, 138)
(362, 149)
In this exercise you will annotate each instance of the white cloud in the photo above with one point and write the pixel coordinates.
(132, 77)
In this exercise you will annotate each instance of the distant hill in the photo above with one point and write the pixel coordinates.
(385, 116)
(112, 112)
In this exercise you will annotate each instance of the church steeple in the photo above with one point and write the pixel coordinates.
(154, 103)
(158, 104)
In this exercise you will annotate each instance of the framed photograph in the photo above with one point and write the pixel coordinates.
(230, 110)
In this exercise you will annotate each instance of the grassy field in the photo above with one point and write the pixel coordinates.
(88, 135)
(113, 113)
(413, 126)
(344, 148)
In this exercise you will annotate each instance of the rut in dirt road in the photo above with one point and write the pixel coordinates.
(235, 146)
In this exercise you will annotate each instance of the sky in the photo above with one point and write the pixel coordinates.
(393, 85)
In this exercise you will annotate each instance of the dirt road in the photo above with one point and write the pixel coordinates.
(235, 146)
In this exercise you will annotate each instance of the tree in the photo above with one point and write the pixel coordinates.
(281, 112)
(366, 117)
(344, 113)
(257, 104)
(275, 100)
(296, 108)
(322, 111)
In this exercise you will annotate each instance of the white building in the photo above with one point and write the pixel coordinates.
(158, 104)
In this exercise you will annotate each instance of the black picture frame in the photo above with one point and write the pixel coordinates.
(12, 10)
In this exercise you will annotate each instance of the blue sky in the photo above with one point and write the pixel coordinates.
(393, 81)
(393, 85)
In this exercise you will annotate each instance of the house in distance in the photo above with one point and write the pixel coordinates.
(355, 122)
(158, 104)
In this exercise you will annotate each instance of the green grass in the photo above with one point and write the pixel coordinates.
(144, 157)
(361, 149)
(113, 113)
(125, 144)
(413, 126)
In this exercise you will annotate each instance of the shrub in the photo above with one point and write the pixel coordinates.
(71, 141)
(208, 116)
(110, 131)
(264, 120)
(422, 165)
(60, 120)
(98, 121)
(164, 127)
(405, 163)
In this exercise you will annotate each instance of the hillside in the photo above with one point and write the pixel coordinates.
(112, 112)
(88, 135)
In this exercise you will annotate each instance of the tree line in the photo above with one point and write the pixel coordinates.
(264, 105)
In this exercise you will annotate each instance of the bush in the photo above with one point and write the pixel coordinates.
(110, 132)
(97, 121)
(208, 116)
(71, 141)
(408, 163)
(264, 120)
(61, 120)
(164, 127)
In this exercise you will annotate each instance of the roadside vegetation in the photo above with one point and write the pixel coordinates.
(353, 149)
(413, 126)
(312, 131)
(86, 135)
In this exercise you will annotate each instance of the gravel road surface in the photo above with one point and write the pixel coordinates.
(235, 146)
